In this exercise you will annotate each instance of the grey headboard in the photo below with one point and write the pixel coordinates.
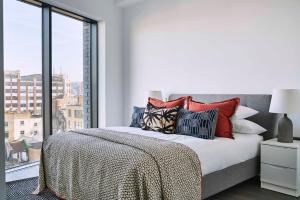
(259, 102)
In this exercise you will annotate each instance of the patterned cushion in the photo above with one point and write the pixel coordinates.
(197, 124)
(226, 110)
(160, 119)
(137, 117)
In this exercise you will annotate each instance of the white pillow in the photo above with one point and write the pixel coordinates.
(243, 112)
(246, 126)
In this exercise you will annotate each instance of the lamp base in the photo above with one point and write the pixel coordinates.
(285, 130)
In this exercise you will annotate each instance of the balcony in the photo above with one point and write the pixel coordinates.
(22, 159)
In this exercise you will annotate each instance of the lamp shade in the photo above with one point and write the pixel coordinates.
(285, 101)
(155, 94)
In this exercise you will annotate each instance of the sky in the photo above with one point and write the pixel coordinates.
(22, 41)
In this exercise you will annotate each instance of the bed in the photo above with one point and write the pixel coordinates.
(218, 171)
(223, 179)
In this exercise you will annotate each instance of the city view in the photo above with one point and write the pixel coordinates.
(23, 98)
(23, 113)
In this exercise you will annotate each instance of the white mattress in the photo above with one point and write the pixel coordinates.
(214, 155)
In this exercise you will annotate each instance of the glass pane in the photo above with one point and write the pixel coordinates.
(23, 89)
(70, 73)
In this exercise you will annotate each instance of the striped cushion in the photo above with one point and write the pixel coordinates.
(137, 117)
(197, 124)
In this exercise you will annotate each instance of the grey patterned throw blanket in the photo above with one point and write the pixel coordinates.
(96, 164)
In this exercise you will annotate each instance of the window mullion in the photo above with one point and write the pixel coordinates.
(94, 75)
(47, 70)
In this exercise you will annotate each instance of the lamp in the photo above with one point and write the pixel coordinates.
(155, 94)
(285, 101)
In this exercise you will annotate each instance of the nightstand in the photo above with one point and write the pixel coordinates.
(280, 167)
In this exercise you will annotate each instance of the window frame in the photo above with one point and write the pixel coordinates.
(47, 9)
(2, 111)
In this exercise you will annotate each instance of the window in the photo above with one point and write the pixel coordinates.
(49, 85)
(71, 71)
(78, 113)
(22, 40)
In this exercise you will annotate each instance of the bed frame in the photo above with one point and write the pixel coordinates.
(228, 177)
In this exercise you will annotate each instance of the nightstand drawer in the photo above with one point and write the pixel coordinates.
(280, 176)
(281, 156)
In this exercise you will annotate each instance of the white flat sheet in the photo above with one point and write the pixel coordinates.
(214, 155)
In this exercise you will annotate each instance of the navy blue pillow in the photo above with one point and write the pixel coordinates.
(197, 124)
(137, 117)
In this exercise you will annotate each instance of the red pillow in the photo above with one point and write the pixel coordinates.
(169, 104)
(226, 110)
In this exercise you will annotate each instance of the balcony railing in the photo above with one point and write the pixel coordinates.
(26, 171)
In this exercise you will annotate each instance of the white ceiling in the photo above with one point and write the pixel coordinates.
(125, 3)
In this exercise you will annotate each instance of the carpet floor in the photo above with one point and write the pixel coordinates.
(21, 190)
(249, 190)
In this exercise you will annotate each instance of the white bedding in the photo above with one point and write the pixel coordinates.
(215, 154)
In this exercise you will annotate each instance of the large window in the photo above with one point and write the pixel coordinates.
(22, 82)
(50, 83)
(70, 63)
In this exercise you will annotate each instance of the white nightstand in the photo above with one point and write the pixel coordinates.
(280, 166)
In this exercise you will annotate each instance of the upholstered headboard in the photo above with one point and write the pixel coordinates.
(259, 102)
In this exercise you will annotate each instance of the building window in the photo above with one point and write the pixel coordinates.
(35, 132)
(35, 124)
(6, 134)
(78, 113)
(6, 124)
(70, 113)
(77, 125)
(22, 132)
(22, 123)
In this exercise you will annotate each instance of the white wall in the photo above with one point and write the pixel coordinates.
(110, 57)
(210, 46)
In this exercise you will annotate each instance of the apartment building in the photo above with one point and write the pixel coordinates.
(24, 93)
(20, 125)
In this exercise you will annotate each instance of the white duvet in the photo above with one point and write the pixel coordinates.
(214, 155)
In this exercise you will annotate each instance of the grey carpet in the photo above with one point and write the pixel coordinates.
(249, 190)
(21, 190)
